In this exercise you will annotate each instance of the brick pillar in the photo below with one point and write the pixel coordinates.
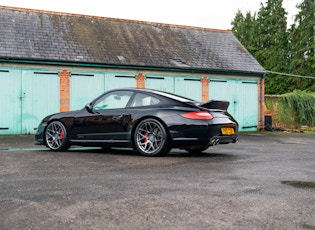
(205, 89)
(64, 91)
(140, 81)
(261, 104)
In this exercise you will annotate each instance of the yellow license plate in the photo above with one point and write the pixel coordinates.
(227, 131)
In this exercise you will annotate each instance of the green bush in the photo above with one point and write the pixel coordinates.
(293, 110)
(303, 106)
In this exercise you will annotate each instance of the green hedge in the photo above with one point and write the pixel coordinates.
(292, 110)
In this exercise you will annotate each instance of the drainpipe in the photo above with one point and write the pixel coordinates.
(262, 102)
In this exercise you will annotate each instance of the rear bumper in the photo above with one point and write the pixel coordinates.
(197, 135)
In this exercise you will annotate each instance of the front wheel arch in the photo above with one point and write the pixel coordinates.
(56, 136)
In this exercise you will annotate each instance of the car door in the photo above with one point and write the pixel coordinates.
(106, 120)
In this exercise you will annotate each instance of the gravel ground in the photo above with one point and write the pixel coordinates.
(265, 181)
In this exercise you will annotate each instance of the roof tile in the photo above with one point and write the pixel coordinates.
(33, 34)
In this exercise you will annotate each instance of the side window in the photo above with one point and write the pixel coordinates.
(144, 100)
(113, 100)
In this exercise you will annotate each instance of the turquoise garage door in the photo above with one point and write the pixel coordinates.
(27, 96)
(189, 87)
(10, 106)
(84, 87)
(39, 98)
(119, 80)
(182, 85)
(160, 82)
(243, 97)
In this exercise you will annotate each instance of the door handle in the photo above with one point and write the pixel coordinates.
(22, 96)
(116, 118)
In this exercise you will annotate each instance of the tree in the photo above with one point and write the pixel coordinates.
(279, 49)
(244, 28)
(273, 45)
(237, 25)
(302, 39)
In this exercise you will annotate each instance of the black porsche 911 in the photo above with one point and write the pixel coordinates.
(150, 121)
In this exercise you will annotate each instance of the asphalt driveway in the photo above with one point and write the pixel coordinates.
(266, 181)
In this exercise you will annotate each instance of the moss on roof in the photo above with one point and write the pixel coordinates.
(59, 37)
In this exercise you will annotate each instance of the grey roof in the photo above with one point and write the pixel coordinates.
(59, 37)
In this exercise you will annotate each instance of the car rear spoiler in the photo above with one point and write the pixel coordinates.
(215, 104)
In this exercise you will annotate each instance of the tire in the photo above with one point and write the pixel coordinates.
(151, 138)
(56, 136)
(196, 149)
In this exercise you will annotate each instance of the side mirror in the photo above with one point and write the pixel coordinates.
(89, 107)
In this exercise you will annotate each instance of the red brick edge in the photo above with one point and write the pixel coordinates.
(205, 89)
(64, 91)
(140, 81)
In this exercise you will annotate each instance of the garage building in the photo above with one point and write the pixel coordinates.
(52, 62)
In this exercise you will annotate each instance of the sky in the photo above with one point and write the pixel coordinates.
(216, 14)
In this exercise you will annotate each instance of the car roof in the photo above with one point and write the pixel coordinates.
(158, 92)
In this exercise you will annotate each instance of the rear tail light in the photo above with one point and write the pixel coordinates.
(198, 115)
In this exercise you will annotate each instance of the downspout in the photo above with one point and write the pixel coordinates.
(262, 102)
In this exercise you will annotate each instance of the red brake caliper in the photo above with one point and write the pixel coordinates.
(145, 139)
(61, 134)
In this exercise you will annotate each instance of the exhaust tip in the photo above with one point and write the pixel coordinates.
(214, 142)
(217, 142)
(235, 140)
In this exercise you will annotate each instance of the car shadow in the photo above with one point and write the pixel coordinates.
(174, 153)
(200, 155)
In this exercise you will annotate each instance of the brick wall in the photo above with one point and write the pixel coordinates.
(64, 91)
(261, 104)
(140, 81)
(204, 89)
